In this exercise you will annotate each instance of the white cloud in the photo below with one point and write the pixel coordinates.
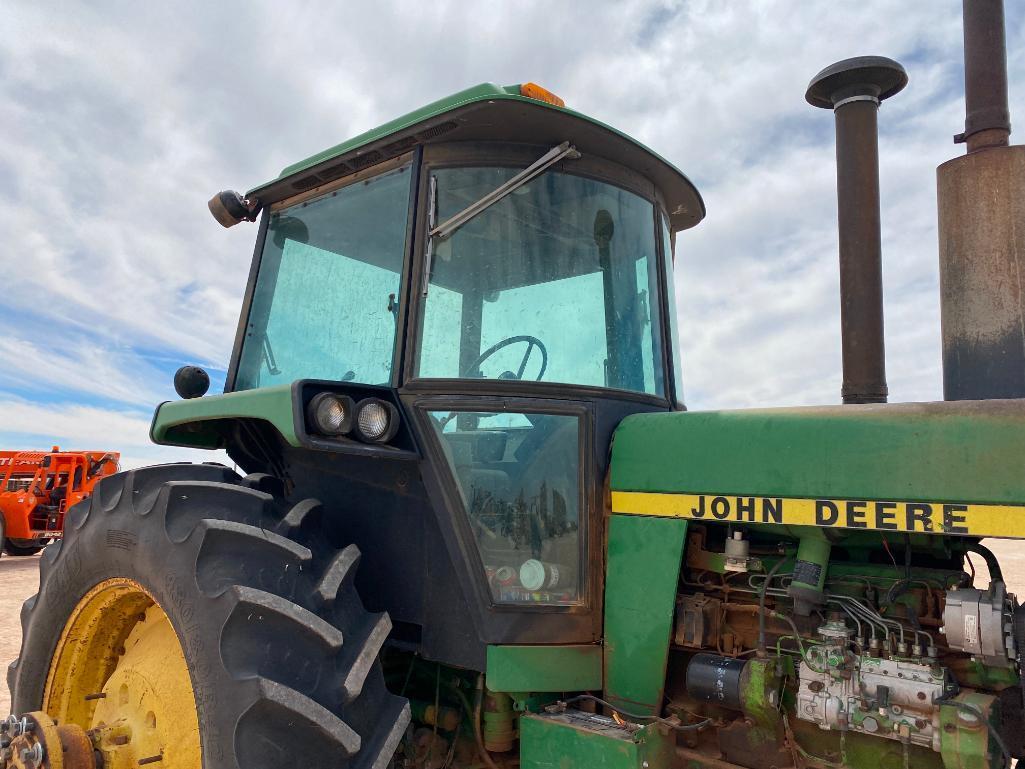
(120, 121)
(53, 364)
(84, 428)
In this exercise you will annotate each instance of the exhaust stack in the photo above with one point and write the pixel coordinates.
(981, 201)
(987, 119)
(853, 89)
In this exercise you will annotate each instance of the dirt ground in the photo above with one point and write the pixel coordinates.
(19, 579)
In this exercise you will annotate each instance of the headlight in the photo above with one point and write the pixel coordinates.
(377, 421)
(330, 414)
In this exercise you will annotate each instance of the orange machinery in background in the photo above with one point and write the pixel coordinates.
(38, 487)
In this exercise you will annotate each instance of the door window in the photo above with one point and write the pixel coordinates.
(518, 475)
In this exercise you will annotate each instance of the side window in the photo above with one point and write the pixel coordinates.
(518, 476)
(326, 298)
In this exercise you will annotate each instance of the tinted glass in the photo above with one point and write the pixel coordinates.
(519, 478)
(326, 298)
(557, 282)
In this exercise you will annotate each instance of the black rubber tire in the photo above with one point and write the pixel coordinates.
(282, 654)
(12, 547)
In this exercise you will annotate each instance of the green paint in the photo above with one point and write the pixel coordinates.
(964, 741)
(481, 94)
(644, 556)
(533, 702)
(569, 668)
(567, 741)
(813, 549)
(760, 691)
(202, 423)
(990, 676)
(960, 450)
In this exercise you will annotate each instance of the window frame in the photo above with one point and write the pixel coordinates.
(673, 354)
(476, 154)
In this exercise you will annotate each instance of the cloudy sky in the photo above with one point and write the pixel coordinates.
(119, 120)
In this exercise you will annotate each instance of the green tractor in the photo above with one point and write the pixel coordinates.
(477, 527)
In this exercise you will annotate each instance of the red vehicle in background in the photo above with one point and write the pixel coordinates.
(38, 487)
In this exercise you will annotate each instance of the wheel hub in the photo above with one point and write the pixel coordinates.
(118, 694)
(36, 741)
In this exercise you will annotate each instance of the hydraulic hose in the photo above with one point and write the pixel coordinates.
(995, 574)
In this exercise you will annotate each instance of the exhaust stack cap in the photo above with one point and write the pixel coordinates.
(863, 78)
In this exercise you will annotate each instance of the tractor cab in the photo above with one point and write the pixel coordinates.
(462, 304)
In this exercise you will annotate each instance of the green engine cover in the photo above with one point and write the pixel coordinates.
(940, 468)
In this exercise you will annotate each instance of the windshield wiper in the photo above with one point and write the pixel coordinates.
(454, 222)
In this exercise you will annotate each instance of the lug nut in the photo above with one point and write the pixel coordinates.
(16, 728)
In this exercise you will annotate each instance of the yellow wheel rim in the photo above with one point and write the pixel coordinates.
(120, 673)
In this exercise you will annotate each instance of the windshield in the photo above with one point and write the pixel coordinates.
(327, 295)
(557, 282)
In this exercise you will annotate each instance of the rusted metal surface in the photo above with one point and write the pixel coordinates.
(36, 741)
(691, 757)
(853, 89)
(754, 746)
(982, 274)
(78, 748)
(988, 121)
(861, 268)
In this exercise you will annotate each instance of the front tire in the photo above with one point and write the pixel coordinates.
(282, 656)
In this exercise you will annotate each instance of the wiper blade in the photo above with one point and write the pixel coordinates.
(542, 164)
(453, 223)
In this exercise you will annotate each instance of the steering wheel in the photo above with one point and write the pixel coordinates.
(531, 342)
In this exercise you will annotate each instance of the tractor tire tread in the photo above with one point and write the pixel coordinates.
(285, 632)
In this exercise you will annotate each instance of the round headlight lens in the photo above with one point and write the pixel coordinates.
(331, 414)
(377, 420)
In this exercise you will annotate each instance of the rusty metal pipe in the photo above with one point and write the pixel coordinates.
(987, 119)
(853, 89)
(981, 201)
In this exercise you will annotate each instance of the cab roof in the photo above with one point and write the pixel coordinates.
(489, 112)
